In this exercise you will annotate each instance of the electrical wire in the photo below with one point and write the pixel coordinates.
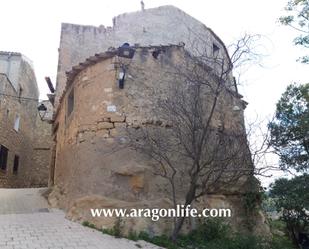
(21, 98)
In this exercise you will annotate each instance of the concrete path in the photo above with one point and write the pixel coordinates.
(26, 222)
(22, 201)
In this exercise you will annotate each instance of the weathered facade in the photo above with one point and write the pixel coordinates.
(24, 158)
(91, 165)
(94, 165)
(162, 25)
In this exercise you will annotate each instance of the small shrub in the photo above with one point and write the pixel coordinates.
(88, 224)
(132, 235)
(279, 242)
(251, 202)
(240, 241)
(118, 227)
(116, 231)
(144, 236)
(109, 231)
(213, 229)
(277, 225)
(212, 234)
(162, 240)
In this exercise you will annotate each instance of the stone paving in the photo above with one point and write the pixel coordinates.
(26, 222)
(22, 201)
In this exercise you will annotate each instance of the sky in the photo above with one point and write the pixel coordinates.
(32, 27)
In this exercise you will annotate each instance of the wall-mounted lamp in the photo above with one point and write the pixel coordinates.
(42, 110)
(126, 51)
(121, 77)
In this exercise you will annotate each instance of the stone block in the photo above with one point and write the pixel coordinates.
(114, 132)
(105, 125)
(121, 125)
(86, 127)
(130, 169)
(137, 183)
(103, 133)
(118, 118)
(87, 135)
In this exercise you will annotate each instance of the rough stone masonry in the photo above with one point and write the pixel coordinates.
(25, 139)
(91, 166)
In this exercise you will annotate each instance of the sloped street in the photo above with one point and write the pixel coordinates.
(26, 222)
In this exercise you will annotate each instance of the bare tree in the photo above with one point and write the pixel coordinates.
(262, 154)
(195, 139)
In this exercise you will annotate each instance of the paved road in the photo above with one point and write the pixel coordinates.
(22, 201)
(26, 222)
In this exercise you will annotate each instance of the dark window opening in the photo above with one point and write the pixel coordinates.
(215, 50)
(20, 93)
(16, 164)
(3, 157)
(71, 102)
(156, 53)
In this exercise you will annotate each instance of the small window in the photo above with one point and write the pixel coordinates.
(20, 91)
(16, 164)
(215, 50)
(16, 123)
(70, 102)
(3, 157)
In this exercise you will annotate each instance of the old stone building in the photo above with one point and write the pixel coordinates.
(162, 25)
(97, 100)
(24, 137)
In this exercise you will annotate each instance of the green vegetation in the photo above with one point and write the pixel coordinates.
(292, 200)
(290, 139)
(268, 204)
(110, 231)
(277, 225)
(252, 202)
(88, 224)
(116, 231)
(298, 19)
(212, 234)
(289, 129)
(217, 235)
(133, 235)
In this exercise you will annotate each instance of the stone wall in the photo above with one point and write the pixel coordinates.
(42, 144)
(162, 25)
(18, 142)
(9, 65)
(94, 167)
(19, 98)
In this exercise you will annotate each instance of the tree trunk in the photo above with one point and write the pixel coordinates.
(189, 198)
(294, 235)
